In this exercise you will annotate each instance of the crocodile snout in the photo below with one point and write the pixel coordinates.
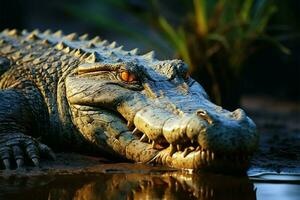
(233, 132)
(199, 138)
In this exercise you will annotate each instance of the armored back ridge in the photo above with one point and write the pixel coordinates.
(89, 95)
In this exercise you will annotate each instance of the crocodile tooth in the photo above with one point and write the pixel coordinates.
(178, 147)
(6, 163)
(198, 148)
(203, 155)
(202, 191)
(136, 131)
(176, 186)
(212, 155)
(36, 162)
(130, 125)
(151, 183)
(20, 163)
(172, 150)
(144, 138)
(211, 192)
(153, 144)
(208, 156)
(185, 152)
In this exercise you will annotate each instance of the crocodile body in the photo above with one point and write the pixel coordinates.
(86, 95)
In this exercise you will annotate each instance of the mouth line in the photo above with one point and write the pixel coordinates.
(190, 148)
(189, 154)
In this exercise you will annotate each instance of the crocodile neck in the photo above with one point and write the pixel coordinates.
(41, 74)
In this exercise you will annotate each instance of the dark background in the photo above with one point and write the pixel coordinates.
(268, 71)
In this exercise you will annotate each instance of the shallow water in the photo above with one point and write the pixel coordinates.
(166, 185)
(270, 186)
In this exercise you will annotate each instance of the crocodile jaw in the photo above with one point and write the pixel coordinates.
(198, 153)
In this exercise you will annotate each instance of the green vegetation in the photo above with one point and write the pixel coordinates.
(215, 37)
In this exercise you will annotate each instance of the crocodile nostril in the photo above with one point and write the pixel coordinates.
(203, 114)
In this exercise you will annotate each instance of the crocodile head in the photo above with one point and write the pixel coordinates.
(150, 111)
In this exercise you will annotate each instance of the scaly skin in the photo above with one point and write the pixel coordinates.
(87, 95)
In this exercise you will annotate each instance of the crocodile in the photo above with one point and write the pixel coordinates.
(74, 93)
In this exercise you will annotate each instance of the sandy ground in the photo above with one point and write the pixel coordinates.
(279, 127)
(278, 124)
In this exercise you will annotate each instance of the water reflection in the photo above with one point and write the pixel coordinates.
(274, 186)
(170, 185)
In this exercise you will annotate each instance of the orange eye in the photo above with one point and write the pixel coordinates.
(127, 76)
